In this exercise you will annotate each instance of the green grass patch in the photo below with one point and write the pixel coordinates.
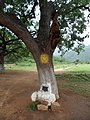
(73, 67)
(30, 65)
(32, 107)
(74, 77)
(21, 66)
(80, 68)
(77, 82)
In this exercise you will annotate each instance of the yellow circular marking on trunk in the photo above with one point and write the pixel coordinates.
(44, 58)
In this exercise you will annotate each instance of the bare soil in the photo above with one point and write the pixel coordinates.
(15, 91)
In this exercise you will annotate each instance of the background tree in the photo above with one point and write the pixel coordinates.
(61, 23)
(1, 61)
(11, 48)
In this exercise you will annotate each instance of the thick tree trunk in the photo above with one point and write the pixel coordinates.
(39, 45)
(47, 75)
(1, 63)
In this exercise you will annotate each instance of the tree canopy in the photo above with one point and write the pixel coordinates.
(71, 18)
(12, 48)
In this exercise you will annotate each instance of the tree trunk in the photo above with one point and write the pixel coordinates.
(46, 73)
(39, 45)
(1, 63)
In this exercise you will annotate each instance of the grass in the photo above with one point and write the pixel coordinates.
(80, 68)
(76, 82)
(30, 68)
(21, 66)
(28, 65)
(32, 107)
(73, 67)
(74, 77)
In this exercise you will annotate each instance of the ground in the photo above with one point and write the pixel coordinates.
(15, 91)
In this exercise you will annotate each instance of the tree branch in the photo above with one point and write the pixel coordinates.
(30, 14)
(71, 9)
(3, 43)
(82, 7)
(12, 51)
(1, 3)
(14, 24)
(11, 41)
(33, 8)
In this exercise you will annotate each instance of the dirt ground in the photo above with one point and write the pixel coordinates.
(15, 90)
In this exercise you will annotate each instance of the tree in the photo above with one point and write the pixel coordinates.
(10, 47)
(1, 61)
(61, 23)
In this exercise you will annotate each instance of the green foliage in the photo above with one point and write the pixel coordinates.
(26, 62)
(70, 15)
(32, 107)
(17, 55)
(13, 48)
(58, 60)
(72, 24)
(22, 9)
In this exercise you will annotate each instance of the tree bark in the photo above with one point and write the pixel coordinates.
(46, 73)
(1, 63)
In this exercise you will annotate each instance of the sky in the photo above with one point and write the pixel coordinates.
(87, 40)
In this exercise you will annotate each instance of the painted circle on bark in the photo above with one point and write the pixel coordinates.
(44, 58)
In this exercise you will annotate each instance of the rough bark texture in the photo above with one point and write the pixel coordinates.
(46, 74)
(42, 44)
(1, 63)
